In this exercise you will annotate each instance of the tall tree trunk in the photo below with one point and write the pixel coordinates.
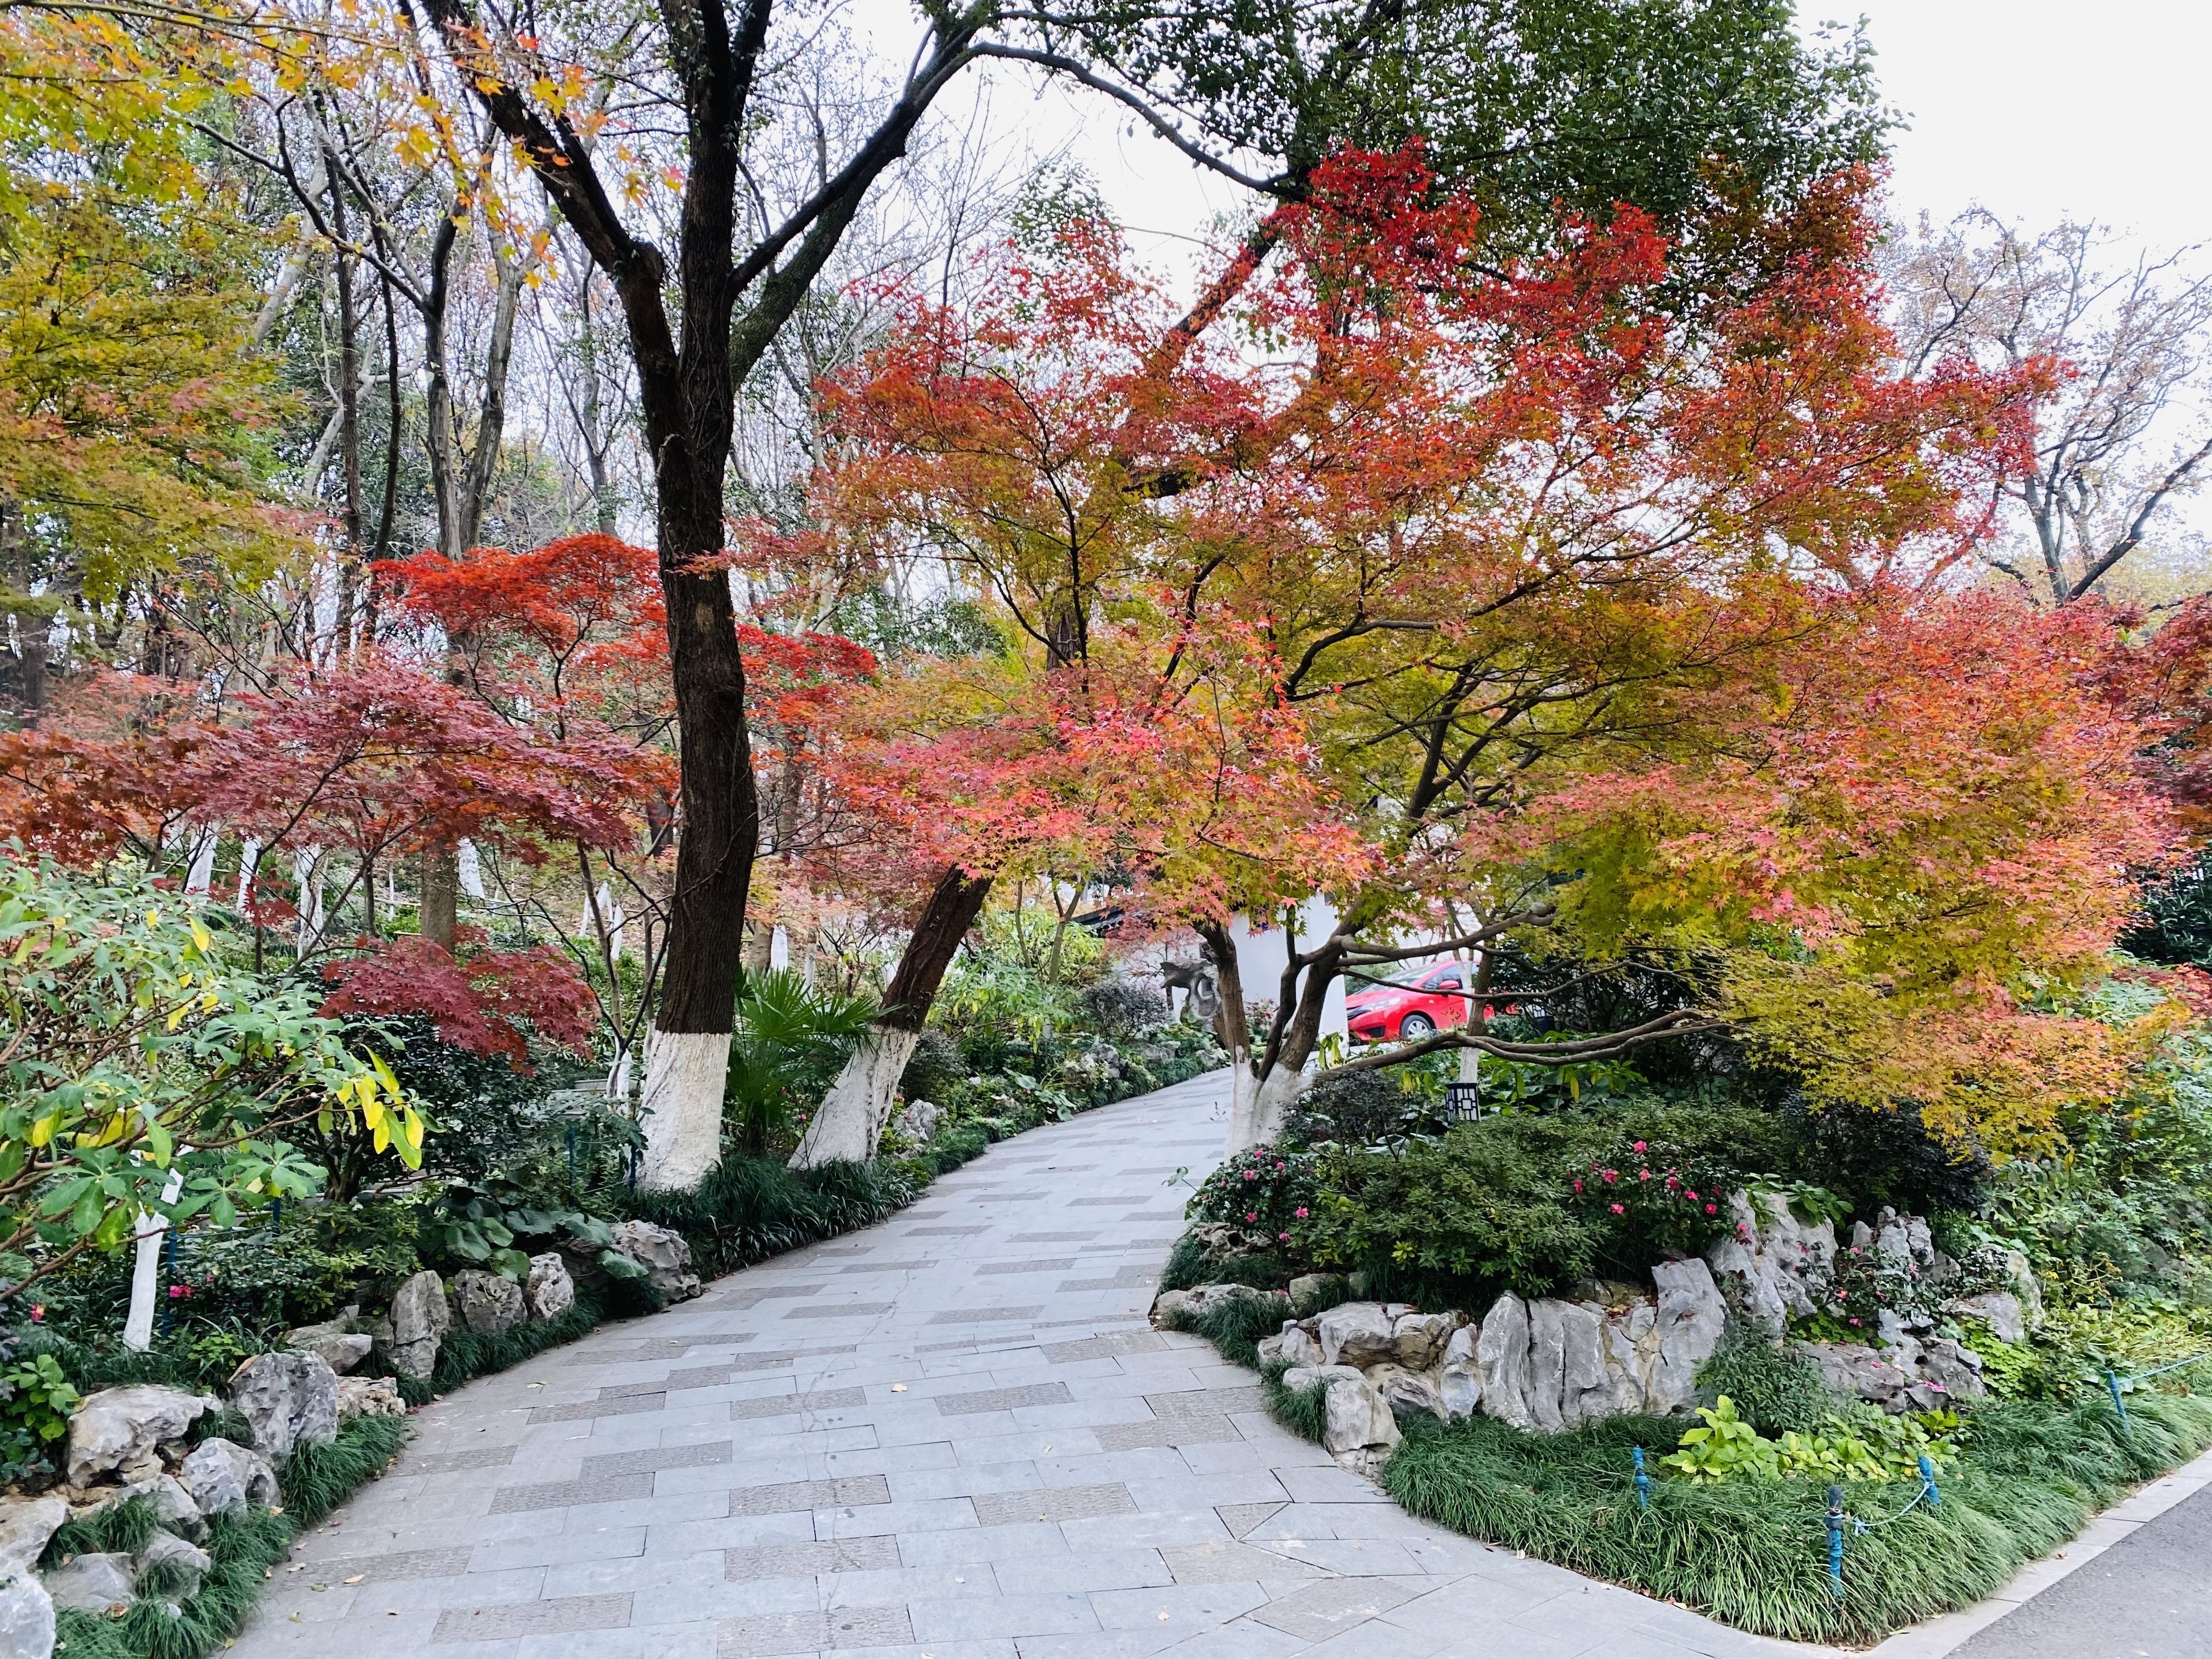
(858, 1105)
(349, 377)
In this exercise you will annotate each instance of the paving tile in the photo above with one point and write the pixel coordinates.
(566, 1494)
(789, 1405)
(984, 1315)
(1001, 1400)
(400, 1564)
(1104, 1348)
(1044, 1264)
(648, 1459)
(1053, 1504)
(1198, 1426)
(1242, 1518)
(579, 1410)
(947, 1232)
(478, 1457)
(562, 1613)
(1323, 1609)
(820, 1631)
(843, 1492)
(1053, 1238)
(815, 1556)
(1225, 1563)
(838, 1309)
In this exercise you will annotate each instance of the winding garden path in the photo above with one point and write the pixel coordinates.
(950, 1437)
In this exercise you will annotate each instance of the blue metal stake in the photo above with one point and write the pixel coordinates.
(1928, 1475)
(1642, 1480)
(1836, 1537)
(2112, 1384)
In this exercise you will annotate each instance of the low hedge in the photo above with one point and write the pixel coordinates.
(1753, 1552)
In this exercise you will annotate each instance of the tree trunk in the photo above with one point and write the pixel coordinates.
(442, 897)
(858, 1105)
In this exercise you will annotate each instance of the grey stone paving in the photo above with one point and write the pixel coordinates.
(965, 1466)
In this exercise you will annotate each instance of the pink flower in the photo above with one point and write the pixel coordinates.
(1286, 1238)
(1639, 1145)
(1711, 1209)
(1644, 1175)
(1612, 1175)
(1251, 1175)
(38, 1311)
(1691, 1193)
(1578, 1186)
(1280, 1168)
(1616, 1210)
(1855, 1321)
(1251, 1215)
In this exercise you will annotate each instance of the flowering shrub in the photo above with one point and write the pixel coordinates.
(1264, 1192)
(1655, 1194)
(1865, 1283)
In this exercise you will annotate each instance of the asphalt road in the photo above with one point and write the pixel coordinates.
(2147, 1597)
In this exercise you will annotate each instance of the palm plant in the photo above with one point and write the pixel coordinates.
(791, 1039)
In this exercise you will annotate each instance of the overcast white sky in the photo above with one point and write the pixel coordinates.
(2034, 107)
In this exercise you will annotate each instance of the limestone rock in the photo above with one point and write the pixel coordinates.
(340, 1353)
(166, 1549)
(1357, 1419)
(171, 1503)
(1356, 1334)
(1585, 1386)
(1501, 1356)
(26, 1525)
(1458, 1376)
(1418, 1340)
(288, 1399)
(1405, 1390)
(363, 1396)
(1293, 1345)
(1998, 1309)
(93, 1584)
(489, 1303)
(1308, 1288)
(121, 1429)
(664, 1256)
(26, 1617)
(915, 1125)
(1688, 1319)
(1904, 1239)
(220, 1475)
(420, 1319)
(549, 1291)
(1857, 1371)
(1299, 1379)
(342, 1343)
(1171, 1305)
(1952, 1367)
(1772, 1267)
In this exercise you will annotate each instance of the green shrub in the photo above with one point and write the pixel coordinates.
(1262, 1192)
(1775, 1387)
(1490, 1206)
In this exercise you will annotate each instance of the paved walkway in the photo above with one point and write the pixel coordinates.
(951, 1436)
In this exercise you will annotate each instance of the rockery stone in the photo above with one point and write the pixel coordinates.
(288, 1399)
(122, 1429)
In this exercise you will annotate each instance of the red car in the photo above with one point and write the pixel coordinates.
(1417, 1008)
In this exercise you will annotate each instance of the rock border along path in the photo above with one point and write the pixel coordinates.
(950, 1437)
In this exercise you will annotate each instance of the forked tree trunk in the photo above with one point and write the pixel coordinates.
(858, 1105)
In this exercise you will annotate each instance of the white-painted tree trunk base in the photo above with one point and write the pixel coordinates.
(858, 1105)
(686, 1074)
(201, 876)
(1258, 1106)
(138, 1323)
